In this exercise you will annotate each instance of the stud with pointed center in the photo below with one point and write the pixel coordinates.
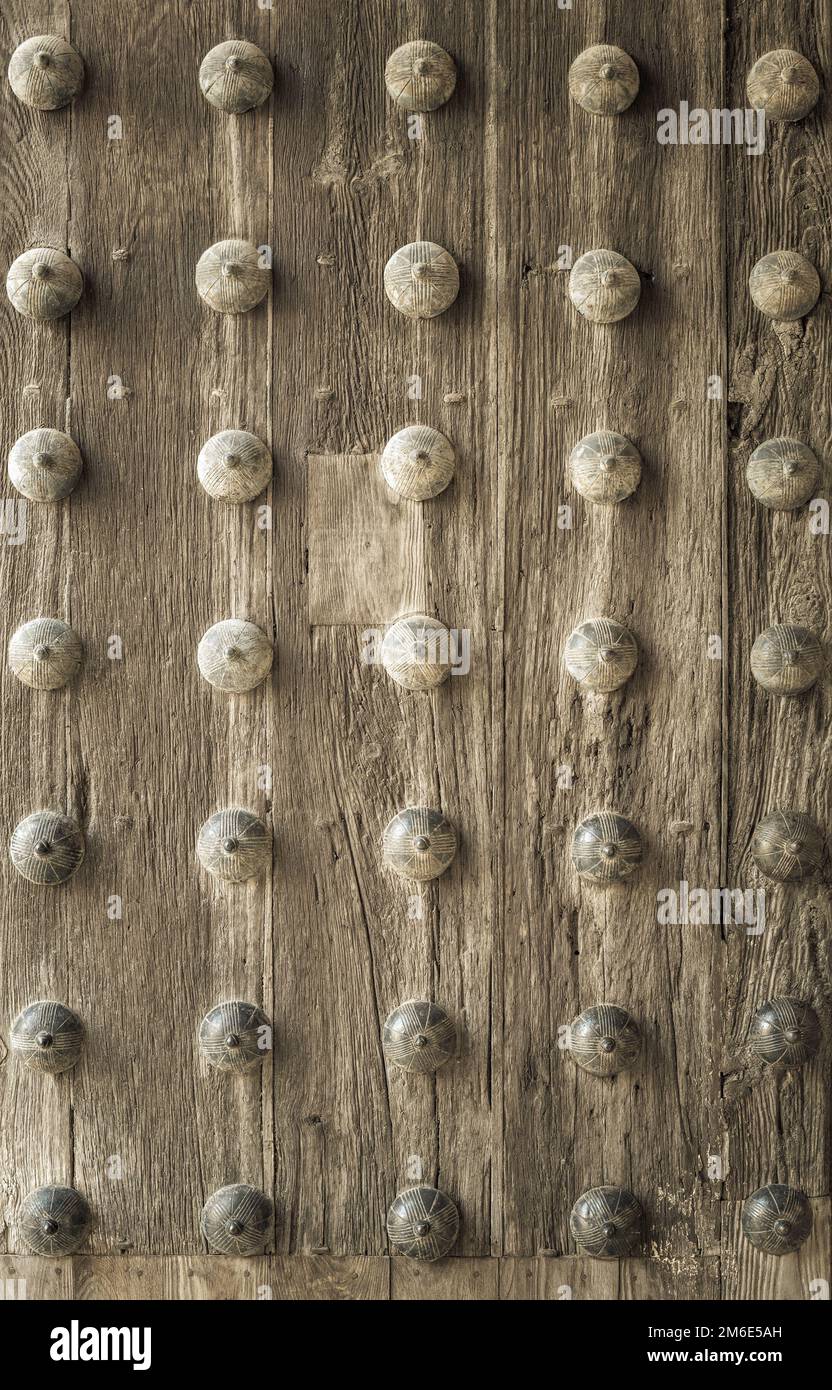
(232, 277)
(784, 84)
(47, 847)
(418, 463)
(777, 1219)
(419, 844)
(45, 653)
(605, 1222)
(604, 287)
(786, 846)
(422, 1223)
(606, 848)
(235, 655)
(604, 80)
(785, 1032)
(420, 76)
(419, 1036)
(782, 473)
(46, 72)
(235, 845)
(235, 1220)
(234, 466)
(44, 465)
(605, 467)
(421, 280)
(235, 1036)
(786, 660)
(47, 1036)
(236, 76)
(54, 1220)
(44, 283)
(784, 286)
(604, 1040)
(601, 655)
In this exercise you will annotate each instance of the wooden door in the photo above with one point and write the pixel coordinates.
(134, 180)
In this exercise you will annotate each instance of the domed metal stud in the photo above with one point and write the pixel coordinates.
(786, 660)
(235, 1036)
(45, 653)
(782, 473)
(419, 844)
(46, 72)
(416, 652)
(47, 1036)
(606, 1222)
(784, 286)
(235, 1220)
(235, 655)
(235, 845)
(47, 847)
(231, 277)
(421, 280)
(54, 1220)
(236, 76)
(234, 466)
(422, 1223)
(604, 80)
(419, 1036)
(784, 1031)
(44, 465)
(606, 848)
(604, 1040)
(784, 83)
(418, 462)
(601, 654)
(604, 286)
(44, 283)
(420, 76)
(777, 1219)
(605, 467)
(786, 846)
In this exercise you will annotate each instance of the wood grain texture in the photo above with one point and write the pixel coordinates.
(747, 1273)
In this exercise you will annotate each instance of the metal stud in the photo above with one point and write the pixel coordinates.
(606, 848)
(234, 466)
(786, 660)
(235, 845)
(419, 1036)
(419, 844)
(416, 652)
(784, 84)
(235, 1220)
(784, 1031)
(44, 284)
(604, 286)
(45, 653)
(47, 1036)
(606, 1222)
(54, 1220)
(603, 80)
(605, 467)
(777, 1219)
(604, 1040)
(418, 462)
(231, 277)
(421, 280)
(422, 1223)
(235, 655)
(784, 286)
(47, 847)
(44, 465)
(235, 1036)
(420, 76)
(601, 654)
(236, 76)
(782, 473)
(46, 72)
(786, 846)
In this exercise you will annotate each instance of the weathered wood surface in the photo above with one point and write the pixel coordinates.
(141, 750)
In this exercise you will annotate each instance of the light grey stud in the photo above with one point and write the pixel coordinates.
(419, 1036)
(44, 465)
(786, 846)
(45, 653)
(236, 76)
(44, 283)
(784, 84)
(47, 1036)
(604, 80)
(419, 844)
(604, 1040)
(606, 848)
(421, 280)
(420, 76)
(235, 1036)
(416, 652)
(604, 286)
(418, 463)
(784, 286)
(605, 467)
(46, 72)
(55, 1220)
(234, 466)
(786, 660)
(235, 845)
(235, 655)
(235, 1220)
(422, 1223)
(231, 277)
(601, 654)
(47, 847)
(782, 473)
